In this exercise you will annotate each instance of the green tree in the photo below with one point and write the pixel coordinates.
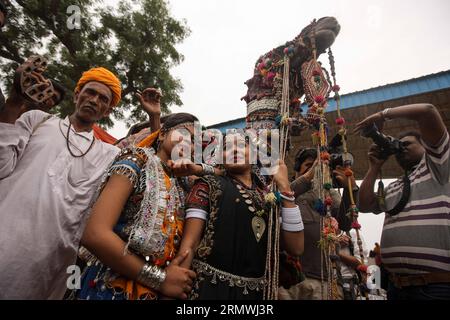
(136, 39)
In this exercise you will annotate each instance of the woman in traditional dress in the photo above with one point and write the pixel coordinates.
(136, 224)
(226, 231)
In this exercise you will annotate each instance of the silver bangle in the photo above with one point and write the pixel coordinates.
(207, 169)
(151, 276)
(384, 114)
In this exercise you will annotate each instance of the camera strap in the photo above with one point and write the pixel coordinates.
(406, 192)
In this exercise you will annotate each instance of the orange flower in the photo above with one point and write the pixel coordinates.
(348, 172)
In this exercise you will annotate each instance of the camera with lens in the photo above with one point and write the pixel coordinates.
(338, 158)
(388, 145)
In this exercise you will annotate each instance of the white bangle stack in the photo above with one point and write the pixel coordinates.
(291, 219)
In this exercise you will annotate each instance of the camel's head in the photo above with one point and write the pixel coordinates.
(264, 88)
(325, 31)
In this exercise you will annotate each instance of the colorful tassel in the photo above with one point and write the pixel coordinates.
(340, 121)
(336, 88)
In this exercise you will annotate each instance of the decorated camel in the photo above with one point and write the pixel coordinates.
(265, 88)
(281, 77)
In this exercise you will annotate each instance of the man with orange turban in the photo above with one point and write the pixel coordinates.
(50, 169)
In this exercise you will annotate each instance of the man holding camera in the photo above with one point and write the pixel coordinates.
(415, 243)
(313, 266)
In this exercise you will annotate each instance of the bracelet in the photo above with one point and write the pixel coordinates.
(207, 169)
(291, 220)
(151, 276)
(291, 215)
(292, 227)
(384, 114)
(290, 199)
(288, 193)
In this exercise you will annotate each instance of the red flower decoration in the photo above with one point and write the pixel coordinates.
(356, 225)
(336, 88)
(316, 73)
(328, 201)
(340, 121)
(348, 172)
(325, 156)
(334, 224)
(270, 76)
(362, 268)
(319, 99)
(295, 101)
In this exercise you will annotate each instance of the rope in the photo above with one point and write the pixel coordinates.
(342, 130)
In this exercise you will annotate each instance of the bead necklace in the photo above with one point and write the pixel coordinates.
(68, 142)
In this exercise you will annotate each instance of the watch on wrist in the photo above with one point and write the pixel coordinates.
(384, 114)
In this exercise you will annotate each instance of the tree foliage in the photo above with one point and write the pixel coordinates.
(136, 39)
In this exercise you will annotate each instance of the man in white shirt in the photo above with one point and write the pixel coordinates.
(50, 169)
(351, 259)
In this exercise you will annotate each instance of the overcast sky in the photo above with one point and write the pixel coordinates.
(380, 42)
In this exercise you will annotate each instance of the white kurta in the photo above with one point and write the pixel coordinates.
(45, 195)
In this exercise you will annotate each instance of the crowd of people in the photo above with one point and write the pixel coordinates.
(141, 225)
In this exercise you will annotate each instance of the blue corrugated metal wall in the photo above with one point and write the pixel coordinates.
(428, 83)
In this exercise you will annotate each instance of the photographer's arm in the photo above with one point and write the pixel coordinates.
(367, 198)
(431, 126)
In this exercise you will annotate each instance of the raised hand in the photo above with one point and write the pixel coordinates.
(309, 175)
(281, 177)
(375, 159)
(339, 174)
(150, 100)
(376, 118)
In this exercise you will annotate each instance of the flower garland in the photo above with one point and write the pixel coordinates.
(317, 90)
(353, 211)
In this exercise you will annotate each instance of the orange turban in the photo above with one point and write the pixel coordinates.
(104, 76)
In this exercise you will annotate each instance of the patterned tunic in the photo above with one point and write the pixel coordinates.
(151, 224)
